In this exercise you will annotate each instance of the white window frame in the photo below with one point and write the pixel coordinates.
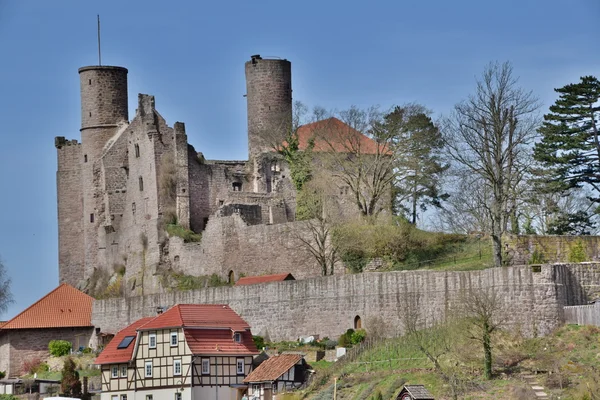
(237, 337)
(123, 369)
(150, 337)
(114, 397)
(114, 371)
(240, 362)
(146, 365)
(176, 363)
(206, 363)
(174, 335)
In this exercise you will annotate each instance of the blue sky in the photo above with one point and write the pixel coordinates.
(191, 56)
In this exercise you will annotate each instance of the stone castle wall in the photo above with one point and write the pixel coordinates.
(551, 248)
(229, 244)
(533, 301)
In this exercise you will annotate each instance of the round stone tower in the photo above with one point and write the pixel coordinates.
(269, 96)
(103, 106)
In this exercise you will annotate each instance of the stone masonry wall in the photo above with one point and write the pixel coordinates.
(228, 244)
(552, 248)
(70, 210)
(28, 344)
(533, 301)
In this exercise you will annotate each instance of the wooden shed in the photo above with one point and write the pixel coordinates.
(414, 392)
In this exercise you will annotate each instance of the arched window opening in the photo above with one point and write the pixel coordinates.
(357, 322)
(231, 277)
(237, 186)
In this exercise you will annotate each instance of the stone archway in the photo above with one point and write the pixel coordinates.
(231, 277)
(357, 322)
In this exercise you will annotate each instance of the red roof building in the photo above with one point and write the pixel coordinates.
(277, 374)
(63, 314)
(253, 280)
(334, 135)
(207, 348)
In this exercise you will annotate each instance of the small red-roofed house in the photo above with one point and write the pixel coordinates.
(63, 314)
(253, 280)
(191, 351)
(277, 374)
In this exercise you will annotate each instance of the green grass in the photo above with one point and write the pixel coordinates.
(187, 235)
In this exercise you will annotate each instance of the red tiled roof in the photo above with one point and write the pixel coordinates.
(219, 341)
(63, 307)
(198, 316)
(334, 135)
(252, 280)
(112, 355)
(273, 368)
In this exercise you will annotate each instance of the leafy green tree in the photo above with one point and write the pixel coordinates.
(70, 385)
(570, 146)
(416, 144)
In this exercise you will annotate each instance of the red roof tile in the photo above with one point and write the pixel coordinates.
(63, 307)
(273, 368)
(219, 341)
(111, 354)
(198, 316)
(252, 280)
(334, 135)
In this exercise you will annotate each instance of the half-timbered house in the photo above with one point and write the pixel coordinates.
(191, 351)
(277, 374)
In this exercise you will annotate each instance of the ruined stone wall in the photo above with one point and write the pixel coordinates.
(70, 211)
(200, 203)
(28, 344)
(551, 248)
(533, 301)
(229, 244)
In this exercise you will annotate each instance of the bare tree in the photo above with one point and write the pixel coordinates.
(5, 294)
(488, 135)
(365, 166)
(484, 312)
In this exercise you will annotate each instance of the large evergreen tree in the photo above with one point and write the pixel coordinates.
(70, 384)
(570, 147)
(416, 143)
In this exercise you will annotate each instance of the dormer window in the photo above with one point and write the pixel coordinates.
(152, 341)
(237, 337)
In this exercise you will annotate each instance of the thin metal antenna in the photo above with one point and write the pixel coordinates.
(99, 53)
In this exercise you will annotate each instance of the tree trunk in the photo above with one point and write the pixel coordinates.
(487, 351)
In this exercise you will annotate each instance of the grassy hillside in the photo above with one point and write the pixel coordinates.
(566, 364)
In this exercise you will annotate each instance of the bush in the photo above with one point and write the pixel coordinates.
(34, 365)
(577, 252)
(59, 348)
(2, 374)
(70, 384)
(259, 341)
(358, 336)
(187, 235)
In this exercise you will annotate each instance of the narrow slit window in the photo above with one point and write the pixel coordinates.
(92, 218)
(85, 158)
(137, 150)
(141, 182)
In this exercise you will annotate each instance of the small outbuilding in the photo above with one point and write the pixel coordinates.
(414, 392)
(276, 375)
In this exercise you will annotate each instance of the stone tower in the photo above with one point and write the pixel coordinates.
(269, 96)
(103, 107)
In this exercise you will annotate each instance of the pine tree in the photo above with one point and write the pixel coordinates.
(70, 384)
(416, 143)
(570, 146)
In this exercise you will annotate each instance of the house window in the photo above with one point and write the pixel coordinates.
(148, 397)
(205, 366)
(123, 371)
(148, 369)
(240, 366)
(123, 397)
(114, 397)
(177, 367)
(256, 390)
(237, 337)
(141, 183)
(115, 371)
(152, 340)
(173, 339)
(177, 395)
(137, 150)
